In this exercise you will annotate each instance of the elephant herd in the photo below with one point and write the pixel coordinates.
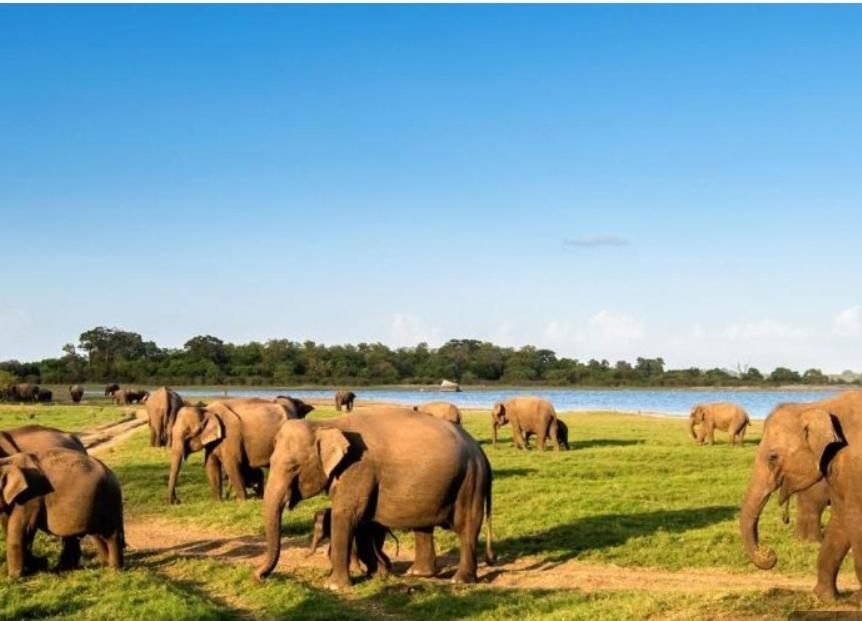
(48, 482)
(26, 393)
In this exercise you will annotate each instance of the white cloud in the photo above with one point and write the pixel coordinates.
(847, 323)
(767, 329)
(610, 326)
(408, 329)
(605, 334)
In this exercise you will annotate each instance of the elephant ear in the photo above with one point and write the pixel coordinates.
(212, 429)
(7, 445)
(819, 431)
(13, 484)
(332, 447)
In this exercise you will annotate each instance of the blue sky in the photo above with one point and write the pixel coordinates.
(607, 181)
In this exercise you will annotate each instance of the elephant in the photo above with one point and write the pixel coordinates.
(364, 462)
(344, 398)
(27, 393)
(45, 396)
(442, 410)
(236, 434)
(110, 389)
(162, 407)
(367, 548)
(727, 417)
(562, 435)
(296, 408)
(34, 438)
(803, 444)
(76, 392)
(124, 396)
(810, 506)
(527, 415)
(64, 493)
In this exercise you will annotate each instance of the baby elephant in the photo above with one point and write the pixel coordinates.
(562, 435)
(727, 417)
(368, 548)
(64, 493)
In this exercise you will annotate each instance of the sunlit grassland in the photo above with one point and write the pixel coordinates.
(68, 417)
(632, 492)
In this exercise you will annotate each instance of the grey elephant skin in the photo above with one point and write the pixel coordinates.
(344, 398)
(66, 494)
(728, 417)
(237, 435)
(76, 393)
(527, 415)
(802, 445)
(359, 460)
(162, 406)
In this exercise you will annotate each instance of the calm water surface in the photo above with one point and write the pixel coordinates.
(758, 403)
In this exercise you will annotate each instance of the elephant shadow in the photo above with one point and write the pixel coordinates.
(577, 445)
(504, 473)
(567, 541)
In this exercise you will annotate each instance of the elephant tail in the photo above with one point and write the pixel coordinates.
(490, 559)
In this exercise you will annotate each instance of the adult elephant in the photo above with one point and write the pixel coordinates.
(344, 398)
(27, 393)
(803, 444)
(125, 396)
(110, 389)
(363, 462)
(727, 417)
(531, 415)
(162, 407)
(442, 410)
(237, 435)
(34, 438)
(76, 392)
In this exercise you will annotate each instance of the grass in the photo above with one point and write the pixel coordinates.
(633, 492)
(62, 416)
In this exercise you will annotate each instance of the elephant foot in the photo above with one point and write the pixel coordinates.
(464, 577)
(173, 500)
(34, 564)
(826, 593)
(338, 584)
(422, 572)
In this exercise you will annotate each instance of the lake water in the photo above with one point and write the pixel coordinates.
(758, 403)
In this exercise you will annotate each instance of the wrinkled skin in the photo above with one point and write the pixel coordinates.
(162, 407)
(344, 398)
(727, 417)
(296, 408)
(359, 459)
(25, 393)
(64, 493)
(366, 549)
(125, 396)
(528, 415)
(442, 410)
(803, 444)
(76, 393)
(237, 435)
(110, 389)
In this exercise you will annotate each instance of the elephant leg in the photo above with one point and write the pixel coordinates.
(237, 481)
(363, 548)
(70, 557)
(809, 508)
(425, 563)
(341, 538)
(101, 548)
(467, 525)
(518, 435)
(115, 551)
(379, 540)
(710, 434)
(832, 552)
(213, 467)
(15, 545)
(154, 437)
(552, 433)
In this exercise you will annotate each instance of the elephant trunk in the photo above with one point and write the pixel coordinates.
(691, 427)
(274, 500)
(176, 462)
(758, 494)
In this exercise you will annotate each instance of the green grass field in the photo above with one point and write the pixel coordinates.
(634, 492)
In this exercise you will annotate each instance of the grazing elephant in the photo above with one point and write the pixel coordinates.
(124, 396)
(727, 417)
(527, 415)
(76, 392)
(296, 408)
(367, 548)
(27, 393)
(441, 410)
(562, 435)
(803, 444)
(236, 434)
(344, 398)
(45, 395)
(64, 493)
(364, 463)
(110, 389)
(162, 407)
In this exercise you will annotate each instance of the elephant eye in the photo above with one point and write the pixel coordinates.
(773, 458)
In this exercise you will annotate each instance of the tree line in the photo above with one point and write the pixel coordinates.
(109, 354)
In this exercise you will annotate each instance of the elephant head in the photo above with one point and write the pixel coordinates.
(296, 408)
(195, 428)
(498, 419)
(793, 455)
(20, 479)
(695, 418)
(302, 465)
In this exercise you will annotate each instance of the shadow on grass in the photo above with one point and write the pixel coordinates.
(577, 445)
(567, 541)
(504, 473)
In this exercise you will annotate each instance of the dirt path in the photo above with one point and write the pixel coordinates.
(100, 439)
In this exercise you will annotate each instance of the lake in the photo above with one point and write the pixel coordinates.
(758, 403)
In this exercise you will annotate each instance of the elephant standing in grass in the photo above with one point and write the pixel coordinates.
(45, 395)
(110, 389)
(344, 398)
(364, 461)
(26, 393)
(727, 417)
(528, 415)
(162, 407)
(125, 396)
(562, 435)
(237, 435)
(76, 392)
(802, 445)
(442, 410)
(63, 493)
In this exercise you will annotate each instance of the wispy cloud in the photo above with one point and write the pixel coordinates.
(596, 241)
(847, 323)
